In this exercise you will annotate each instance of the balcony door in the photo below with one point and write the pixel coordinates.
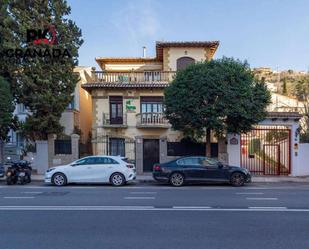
(151, 109)
(116, 109)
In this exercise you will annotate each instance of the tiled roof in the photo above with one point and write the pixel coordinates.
(159, 51)
(213, 45)
(125, 59)
(124, 85)
(293, 115)
(187, 43)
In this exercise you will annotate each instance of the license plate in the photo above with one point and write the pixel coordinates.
(22, 174)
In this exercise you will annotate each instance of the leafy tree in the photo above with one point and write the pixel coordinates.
(302, 93)
(43, 84)
(219, 95)
(6, 110)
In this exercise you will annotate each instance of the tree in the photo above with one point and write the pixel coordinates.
(284, 87)
(302, 93)
(6, 110)
(39, 79)
(219, 95)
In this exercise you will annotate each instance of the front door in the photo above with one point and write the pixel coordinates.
(151, 154)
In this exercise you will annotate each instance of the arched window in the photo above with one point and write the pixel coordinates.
(183, 62)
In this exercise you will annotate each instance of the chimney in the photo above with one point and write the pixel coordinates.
(144, 52)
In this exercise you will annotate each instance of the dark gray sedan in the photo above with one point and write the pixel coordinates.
(201, 169)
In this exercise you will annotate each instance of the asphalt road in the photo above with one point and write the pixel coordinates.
(154, 216)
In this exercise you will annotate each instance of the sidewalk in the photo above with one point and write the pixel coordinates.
(258, 179)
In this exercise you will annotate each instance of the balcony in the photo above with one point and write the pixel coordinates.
(133, 77)
(118, 122)
(152, 120)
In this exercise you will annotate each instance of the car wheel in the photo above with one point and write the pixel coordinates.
(177, 179)
(59, 179)
(238, 179)
(117, 179)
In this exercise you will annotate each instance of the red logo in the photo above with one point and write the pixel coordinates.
(47, 36)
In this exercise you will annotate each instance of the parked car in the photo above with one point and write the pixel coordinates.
(2, 171)
(93, 169)
(188, 169)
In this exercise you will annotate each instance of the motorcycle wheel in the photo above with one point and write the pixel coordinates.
(9, 181)
(21, 181)
(28, 179)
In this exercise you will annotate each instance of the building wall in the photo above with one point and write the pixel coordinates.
(68, 120)
(302, 168)
(142, 66)
(85, 106)
(80, 115)
(101, 105)
(198, 54)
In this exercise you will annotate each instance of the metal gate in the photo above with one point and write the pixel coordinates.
(116, 146)
(266, 151)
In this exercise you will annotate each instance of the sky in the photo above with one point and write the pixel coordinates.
(266, 33)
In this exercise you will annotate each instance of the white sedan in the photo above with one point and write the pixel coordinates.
(93, 169)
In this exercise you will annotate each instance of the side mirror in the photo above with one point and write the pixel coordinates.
(74, 164)
(220, 165)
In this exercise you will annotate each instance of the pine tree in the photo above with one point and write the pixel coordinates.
(43, 84)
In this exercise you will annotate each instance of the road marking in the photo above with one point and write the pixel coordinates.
(250, 193)
(268, 207)
(262, 199)
(146, 208)
(190, 207)
(18, 197)
(32, 192)
(143, 193)
(139, 198)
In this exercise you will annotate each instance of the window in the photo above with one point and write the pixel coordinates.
(116, 110)
(63, 146)
(117, 146)
(105, 160)
(152, 104)
(151, 109)
(81, 162)
(208, 162)
(183, 62)
(189, 161)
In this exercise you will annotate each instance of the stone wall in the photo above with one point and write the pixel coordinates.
(45, 153)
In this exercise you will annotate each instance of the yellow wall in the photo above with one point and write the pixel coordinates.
(198, 54)
(101, 105)
(133, 66)
(85, 105)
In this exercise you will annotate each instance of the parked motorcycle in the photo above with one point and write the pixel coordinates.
(18, 172)
(2, 171)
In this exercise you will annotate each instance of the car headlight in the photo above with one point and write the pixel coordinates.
(49, 170)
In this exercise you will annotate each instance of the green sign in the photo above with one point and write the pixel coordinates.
(130, 106)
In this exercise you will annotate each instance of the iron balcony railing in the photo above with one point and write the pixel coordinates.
(119, 121)
(133, 77)
(152, 120)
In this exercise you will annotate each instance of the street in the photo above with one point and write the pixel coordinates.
(155, 216)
